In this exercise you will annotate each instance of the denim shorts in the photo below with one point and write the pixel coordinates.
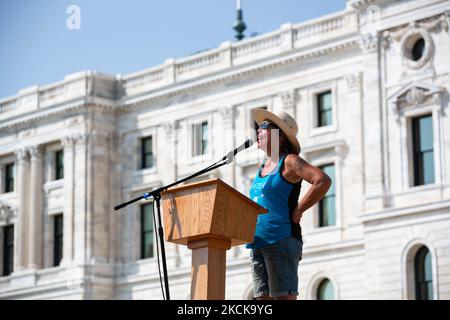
(275, 268)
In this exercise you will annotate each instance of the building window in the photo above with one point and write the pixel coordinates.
(9, 177)
(423, 152)
(8, 250)
(325, 290)
(147, 231)
(423, 274)
(59, 164)
(147, 152)
(327, 206)
(324, 109)
(57, 239)
(418, 49)
(200, 139)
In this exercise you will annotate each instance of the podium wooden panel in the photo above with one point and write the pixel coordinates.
(209, 217)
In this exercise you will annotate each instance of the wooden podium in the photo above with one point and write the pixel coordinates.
(209, 217)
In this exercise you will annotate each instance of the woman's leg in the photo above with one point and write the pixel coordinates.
(282, 260)
(259, 275)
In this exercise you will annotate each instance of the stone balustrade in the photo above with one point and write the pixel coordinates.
(325, 28)
(7, 104)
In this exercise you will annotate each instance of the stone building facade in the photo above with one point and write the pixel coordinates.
(70, 151)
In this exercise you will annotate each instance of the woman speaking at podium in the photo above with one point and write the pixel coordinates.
(277, 246)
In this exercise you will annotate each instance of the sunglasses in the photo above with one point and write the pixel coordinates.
(267, 125)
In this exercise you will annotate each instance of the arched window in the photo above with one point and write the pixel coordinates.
(325, 290)
(423, 274)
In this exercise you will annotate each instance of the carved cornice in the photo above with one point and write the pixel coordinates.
(74, 121)
(85, 102)
(239, 74)
(430, 24)
(81, 103)
(26, 133)
(415, 94)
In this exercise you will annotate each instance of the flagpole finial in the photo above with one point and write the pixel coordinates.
(239, 25)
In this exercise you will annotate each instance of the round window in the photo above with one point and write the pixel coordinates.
(418, 49)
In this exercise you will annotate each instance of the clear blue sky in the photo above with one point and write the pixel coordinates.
(36, 47)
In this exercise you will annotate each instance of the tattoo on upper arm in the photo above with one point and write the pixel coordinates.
(299, 163)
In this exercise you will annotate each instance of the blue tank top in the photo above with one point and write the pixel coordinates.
(280, 198)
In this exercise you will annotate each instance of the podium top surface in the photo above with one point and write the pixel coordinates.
(212, 182)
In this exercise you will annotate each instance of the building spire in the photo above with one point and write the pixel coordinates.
(239, 26)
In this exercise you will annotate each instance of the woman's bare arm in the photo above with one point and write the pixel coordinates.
(320, 183)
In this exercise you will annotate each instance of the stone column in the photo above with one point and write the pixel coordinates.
(372, 124)
(36, 194)
(20, 234)
(167, 164)
(99, 197)
(68, 208)
(116, 237)
(228, 172)
(227, 143)
(80, 199)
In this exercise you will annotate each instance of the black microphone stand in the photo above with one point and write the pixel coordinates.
(156, 195)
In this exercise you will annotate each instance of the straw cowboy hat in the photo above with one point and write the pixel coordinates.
(284, 121)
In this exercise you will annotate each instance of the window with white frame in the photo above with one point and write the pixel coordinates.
(8, 175)
(324, 107)
(7, 244)
(423, 274)
(58, 237)
(200, 139)
(59, 164)
(423, 151)
(327, 206)
(53, 162)
(147, 230)
(417, 110)
(325, 290)
(147, 158)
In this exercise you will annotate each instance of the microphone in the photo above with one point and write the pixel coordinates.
(243, 146)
